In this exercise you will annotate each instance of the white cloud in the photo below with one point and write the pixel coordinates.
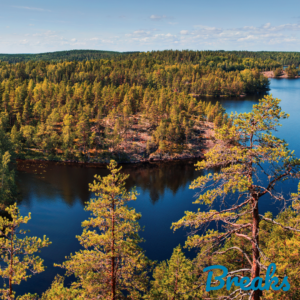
(249, 37)
(207, 29)
(157, 18)
(268, 28)
(150, 37)
(246, 36)
(48, 33)
(290, 40)
(107, 42)
(285, 37)
(42, 41)
(184, 32)
(212, 37)
(139, 34)
(31, 8)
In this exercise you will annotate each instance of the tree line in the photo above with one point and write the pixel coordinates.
(77, 55)
(284, 58)
(260, 59)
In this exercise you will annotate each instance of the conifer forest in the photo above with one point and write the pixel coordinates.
(127, 108)
(111, 109)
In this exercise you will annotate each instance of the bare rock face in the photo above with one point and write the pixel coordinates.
(154, 156)
(167, 157)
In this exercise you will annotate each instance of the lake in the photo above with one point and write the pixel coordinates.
(55, 194)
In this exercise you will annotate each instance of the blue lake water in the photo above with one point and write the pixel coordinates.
(55, 194)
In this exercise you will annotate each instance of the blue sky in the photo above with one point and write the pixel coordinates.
(45, 26)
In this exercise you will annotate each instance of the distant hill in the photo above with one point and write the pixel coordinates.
(71, 55)
(170, 56)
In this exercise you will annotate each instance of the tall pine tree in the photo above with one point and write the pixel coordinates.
(112, 264)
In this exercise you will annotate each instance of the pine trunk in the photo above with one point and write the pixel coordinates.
(11, 267)
(255, 242)
(255, 227)
(113, 279)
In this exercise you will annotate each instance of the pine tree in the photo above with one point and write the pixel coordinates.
(67, 134)
(7, 177)
(27, 133)
(148, 148)
(112, 264)
(83, 131)
(5, 101)
(40, 137)
(59, 291)
(246, 147)
(18, 254)
(15, 139)
(8, 189)
(174, 279)
(127, 111)
(26, 111)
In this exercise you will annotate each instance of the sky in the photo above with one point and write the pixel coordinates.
(131, 25)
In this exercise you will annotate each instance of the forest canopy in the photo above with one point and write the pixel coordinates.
(123, 107)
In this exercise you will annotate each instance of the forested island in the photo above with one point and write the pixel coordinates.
(134, 107)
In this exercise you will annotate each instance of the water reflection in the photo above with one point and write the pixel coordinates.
(71, 182)
(155, 179)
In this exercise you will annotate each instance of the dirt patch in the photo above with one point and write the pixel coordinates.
(134, 147)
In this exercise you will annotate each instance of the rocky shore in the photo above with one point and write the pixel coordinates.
(270, 74)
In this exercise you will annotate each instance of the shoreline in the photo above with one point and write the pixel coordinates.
(153, 158)
(270, 74)
(103, 164)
